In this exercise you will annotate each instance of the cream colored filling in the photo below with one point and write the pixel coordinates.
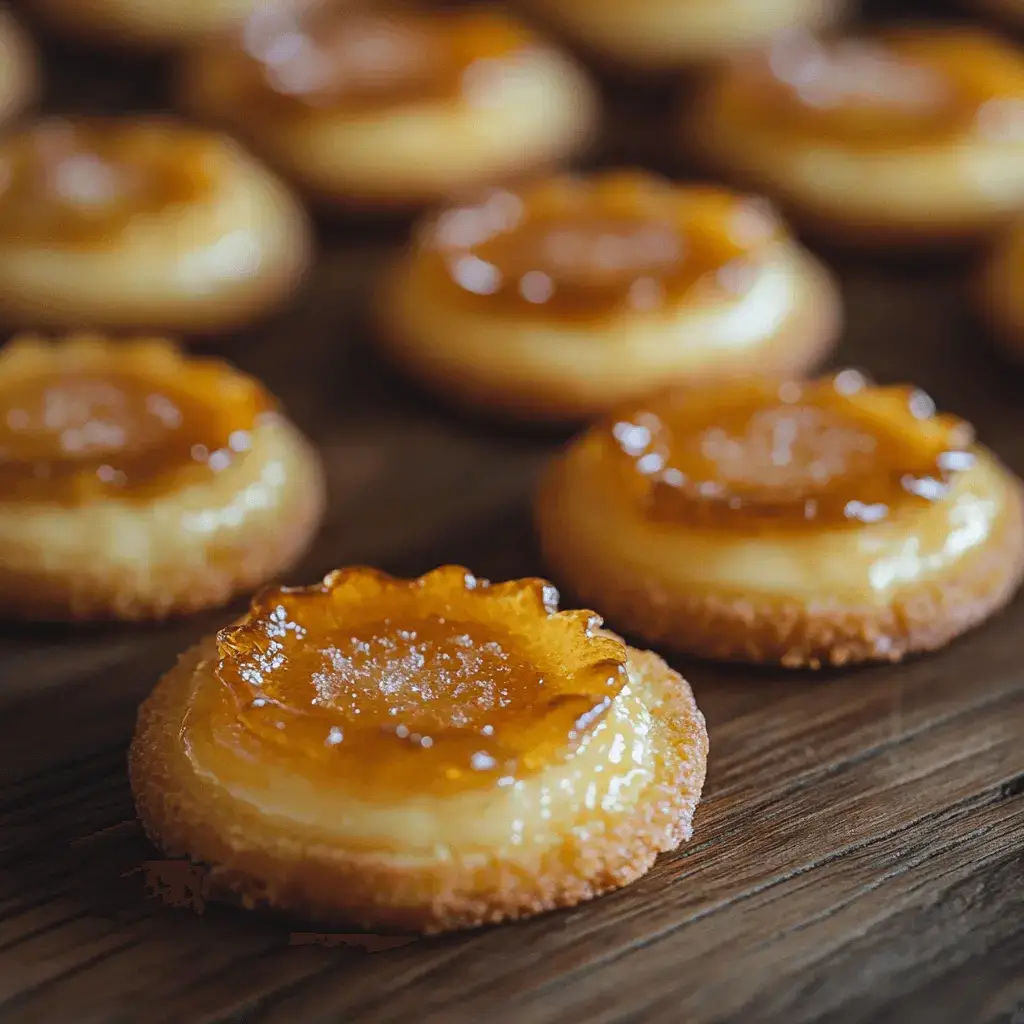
(176, 534)
(686, 337)
(584, 795)
(856, 565)
(203, 257)
(663, 31)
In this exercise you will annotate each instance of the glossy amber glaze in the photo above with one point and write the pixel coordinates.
(903, 87)
(410, 687)
(82, 183)
(86, 420)
(322, 56)
(825, 453)
(587, 247)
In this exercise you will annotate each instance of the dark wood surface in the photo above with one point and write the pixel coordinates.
(858, 857)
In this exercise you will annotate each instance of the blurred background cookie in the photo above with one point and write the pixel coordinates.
(561, 300)
(126, 224)
(137, 483)
(907, 136)
(397, 108)
(830, 522)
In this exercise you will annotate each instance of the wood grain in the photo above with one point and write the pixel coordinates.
(859, 856)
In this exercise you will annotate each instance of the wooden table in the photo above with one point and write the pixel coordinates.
(858, 857)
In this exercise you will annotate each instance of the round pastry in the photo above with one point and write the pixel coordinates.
(138, 225)
(136, 483)
(394, 109)
(146, 24)
(661, 35)
(1000, 291)
(18, 70)
(565, 298)
(803, 524)
(418, 755)
(911, 136)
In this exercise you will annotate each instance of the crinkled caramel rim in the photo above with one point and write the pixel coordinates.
(583, 666)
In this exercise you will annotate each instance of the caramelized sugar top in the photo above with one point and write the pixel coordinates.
(84, 421)
(898, 88)
(413, 687)
(827, 453)
(589, 247)
(83, 183)
(319, 55)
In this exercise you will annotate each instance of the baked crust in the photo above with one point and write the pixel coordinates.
(444, 358)
(134, 560)
(799, 631)
(256, 862)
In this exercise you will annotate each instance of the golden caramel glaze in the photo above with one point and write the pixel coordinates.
(426, 104)
(320, 56)
(825, 528)
(81, 183)
(583, 248)
(797, 455)
(559, 301)
(138, 483)
(658, 36)
(91, 421)
(418, 754)
(442, 683)
(898, 88)
(19, 75)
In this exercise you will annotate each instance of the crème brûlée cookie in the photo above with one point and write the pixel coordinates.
(822, 523)
(122, 224)
(418, 755)
(19, 71)
(999, 291)
(395, 108)
(136, 483)
(908, 136)
(562, 299)
(660, 35)
(147, 24)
